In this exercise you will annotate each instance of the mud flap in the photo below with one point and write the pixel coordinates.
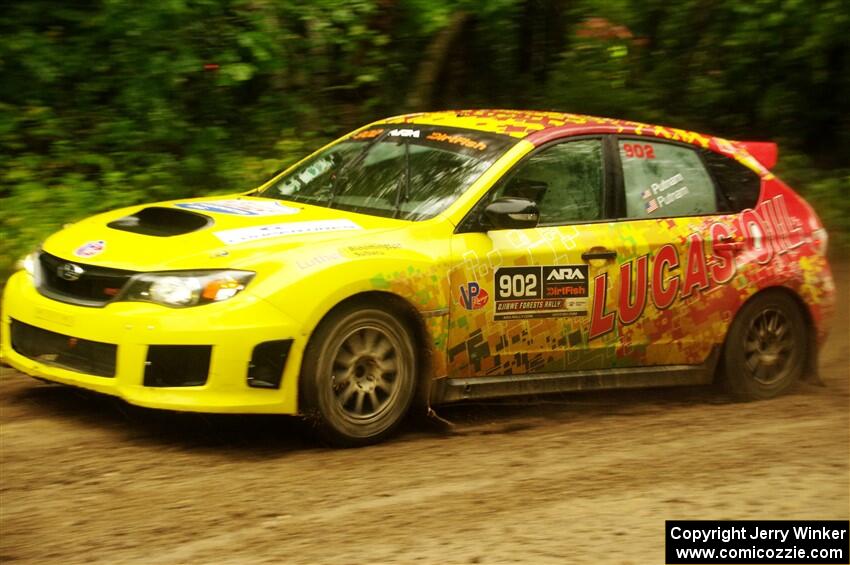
(433, 392)
(439, 420)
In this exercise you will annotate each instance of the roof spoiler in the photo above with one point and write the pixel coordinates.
(765, 152)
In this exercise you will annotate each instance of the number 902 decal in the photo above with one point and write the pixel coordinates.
(639, 151)
(541, 292)
(518, 283)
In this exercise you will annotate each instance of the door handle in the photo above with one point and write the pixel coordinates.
(598, 253)
(728, 244)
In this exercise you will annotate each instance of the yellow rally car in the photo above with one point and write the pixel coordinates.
(439, 256)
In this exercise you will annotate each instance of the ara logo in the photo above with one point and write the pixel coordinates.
(566, 274)
(404, 133)
(472, 296)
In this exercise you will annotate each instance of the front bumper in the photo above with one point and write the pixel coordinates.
(232, 329)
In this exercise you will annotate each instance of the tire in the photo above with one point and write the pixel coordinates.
(358, 375)
(766, 347)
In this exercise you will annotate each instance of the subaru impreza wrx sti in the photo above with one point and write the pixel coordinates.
(436, 257)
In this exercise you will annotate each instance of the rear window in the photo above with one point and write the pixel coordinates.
(739, 186)
(663, 180)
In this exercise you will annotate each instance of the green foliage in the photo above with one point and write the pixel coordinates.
(826, 191)
(108, 103)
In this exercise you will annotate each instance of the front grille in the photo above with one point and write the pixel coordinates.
(93, 286)
(80, 355)
(177, 365)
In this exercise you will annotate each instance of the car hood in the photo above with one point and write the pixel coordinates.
(203, 233)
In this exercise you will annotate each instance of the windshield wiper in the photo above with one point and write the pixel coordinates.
(335, 174)
(343, 167)
(402, 195)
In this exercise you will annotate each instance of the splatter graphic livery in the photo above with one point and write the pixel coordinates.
(497, 251)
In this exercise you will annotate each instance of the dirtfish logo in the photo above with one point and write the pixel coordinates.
(472, 296)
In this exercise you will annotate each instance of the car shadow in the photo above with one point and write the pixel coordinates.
(261, 435)
(85, 409)
(516, 414)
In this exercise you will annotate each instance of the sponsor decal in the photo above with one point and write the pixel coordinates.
(549, 291)
(767, 232)
(666, 199)
(657, 197)
(368, 134)
(404, 133)
(241, 207)
(658, 187)
(370, 249)
(242, 235)
(318, 260)
(294, 183)
(91, 248)
(472, 296)
(461, 140)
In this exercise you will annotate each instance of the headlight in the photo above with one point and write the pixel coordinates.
(187, 288)
(28, 264)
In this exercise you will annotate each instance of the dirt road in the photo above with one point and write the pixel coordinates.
(581, 479)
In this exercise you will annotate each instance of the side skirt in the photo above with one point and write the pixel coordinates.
(449, 390)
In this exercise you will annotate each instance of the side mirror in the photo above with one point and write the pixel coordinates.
(512, 213)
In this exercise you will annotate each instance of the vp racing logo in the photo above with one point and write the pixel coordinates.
(472, 296)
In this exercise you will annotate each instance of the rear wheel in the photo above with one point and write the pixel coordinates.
(766, 348)
(358, 376)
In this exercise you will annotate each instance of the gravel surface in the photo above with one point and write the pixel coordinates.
(580, 478)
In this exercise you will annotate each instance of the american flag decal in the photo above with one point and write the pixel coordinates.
(651, 206)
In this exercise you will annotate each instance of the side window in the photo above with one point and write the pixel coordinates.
(665, 180)
(565, 180)
(739, 186)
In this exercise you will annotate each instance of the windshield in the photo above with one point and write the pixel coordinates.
(410, 172)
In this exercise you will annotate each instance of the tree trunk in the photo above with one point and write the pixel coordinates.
(422, 96)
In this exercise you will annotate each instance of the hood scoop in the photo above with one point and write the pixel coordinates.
(161, 222)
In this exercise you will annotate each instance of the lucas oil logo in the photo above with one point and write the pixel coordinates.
(472, 296)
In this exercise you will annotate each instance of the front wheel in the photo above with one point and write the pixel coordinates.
(766, 347)
(358, 376)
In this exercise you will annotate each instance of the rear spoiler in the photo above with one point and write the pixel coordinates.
(765, 152)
